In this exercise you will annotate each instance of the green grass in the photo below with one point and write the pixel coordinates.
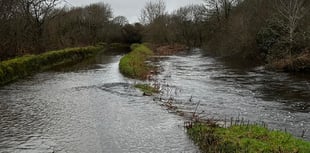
(20, 67)
(147, 89)
(133, 64)
(243, 139)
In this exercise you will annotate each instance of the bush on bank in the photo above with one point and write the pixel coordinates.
(20, 67)
(298, 63)
(133, 64)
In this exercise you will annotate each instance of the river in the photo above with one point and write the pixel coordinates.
(91, 107)
(228, 90)
(87, 108)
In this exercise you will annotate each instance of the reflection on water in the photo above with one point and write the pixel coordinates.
(224, 90)
(89, 107)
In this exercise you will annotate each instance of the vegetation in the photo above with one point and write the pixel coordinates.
(266, 32)
(133, 64)
(20, 67)
(147, 89)
(245, 138)
(36, 26)
(273, 32)
(256, 31)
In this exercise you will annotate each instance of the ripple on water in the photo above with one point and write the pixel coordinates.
(86, 109)
(253, 93)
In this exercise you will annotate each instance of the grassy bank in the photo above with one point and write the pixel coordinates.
(20, 67)
(245, 138)
(133, 64)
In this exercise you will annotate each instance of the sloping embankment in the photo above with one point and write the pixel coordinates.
(20, 67)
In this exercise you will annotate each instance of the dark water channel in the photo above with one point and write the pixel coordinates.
(92, 108)
(86, 108)
(226, 90)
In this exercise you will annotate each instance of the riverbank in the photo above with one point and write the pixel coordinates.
(19, 67)
(244, 138)
(133, 64)
(241, 138)
(164, 50)
(297, 63)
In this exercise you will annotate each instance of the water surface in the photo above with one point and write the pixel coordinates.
(225, 90)
(89, 107)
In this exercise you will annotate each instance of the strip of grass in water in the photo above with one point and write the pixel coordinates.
(133, 64)
(245, 139)
(146, 89)
(20, 67)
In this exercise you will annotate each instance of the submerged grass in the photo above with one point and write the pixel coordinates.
(20, 67)
(133, 64)
(147, 89)
(245, 139)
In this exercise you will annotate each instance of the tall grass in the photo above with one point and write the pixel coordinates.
(20, 67)
(133, 64)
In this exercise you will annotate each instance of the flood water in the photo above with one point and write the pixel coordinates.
(87, 108)
(225, 90)
(91, 107)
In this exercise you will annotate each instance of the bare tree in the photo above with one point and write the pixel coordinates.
(7, 9)
(34, 26)
(7, 19)
(190, 24)
(213, 7)
(220, 7)
(132, 33)
(37, 13)
(120, 20)
(152, 11)
(292, 11)
(98, 16)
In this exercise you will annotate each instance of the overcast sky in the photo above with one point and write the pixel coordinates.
(131, 8)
